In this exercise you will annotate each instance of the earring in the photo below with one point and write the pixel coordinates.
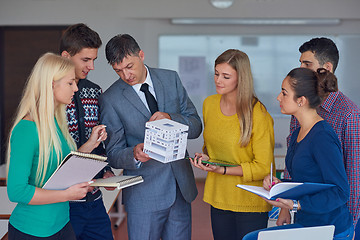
(299, 105)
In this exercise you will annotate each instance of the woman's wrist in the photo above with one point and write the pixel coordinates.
(87, 147)
(295, 206)
(219, 170)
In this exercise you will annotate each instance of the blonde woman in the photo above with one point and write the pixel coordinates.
(238, 130)
(39, 139)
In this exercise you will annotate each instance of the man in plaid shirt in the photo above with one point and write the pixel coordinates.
(341, 113)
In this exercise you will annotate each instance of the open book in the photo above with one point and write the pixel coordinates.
(118, 181)
(287, 190)
(76, 168)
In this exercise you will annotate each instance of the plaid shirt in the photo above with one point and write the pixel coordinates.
(344, 116)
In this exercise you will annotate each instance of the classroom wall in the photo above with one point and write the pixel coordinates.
(147, 20)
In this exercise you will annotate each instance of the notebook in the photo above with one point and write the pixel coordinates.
(308, 233)
(118, 181)
(287, 190)
(76, 168)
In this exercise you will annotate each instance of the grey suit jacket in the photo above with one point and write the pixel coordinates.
(125, 115)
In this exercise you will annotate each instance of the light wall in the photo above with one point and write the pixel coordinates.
(146, 20)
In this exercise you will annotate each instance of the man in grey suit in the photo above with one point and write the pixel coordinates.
(160, 207)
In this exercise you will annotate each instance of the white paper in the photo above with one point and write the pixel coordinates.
(75, 170)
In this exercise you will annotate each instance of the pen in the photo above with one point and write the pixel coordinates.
(271, 174)
(100, 135)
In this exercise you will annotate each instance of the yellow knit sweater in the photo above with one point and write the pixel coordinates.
(221, 138)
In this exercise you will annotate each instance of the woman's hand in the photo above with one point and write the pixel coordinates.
(281, 203)
(284, 217)
(197, 162)
(45, 196)
(77, 191)
(269, 183)
(98, 134)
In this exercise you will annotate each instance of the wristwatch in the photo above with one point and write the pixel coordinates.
(295, 206)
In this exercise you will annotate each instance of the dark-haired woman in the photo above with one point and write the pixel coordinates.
(314, 155)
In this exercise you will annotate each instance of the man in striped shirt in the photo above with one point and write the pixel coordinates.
(341, 113)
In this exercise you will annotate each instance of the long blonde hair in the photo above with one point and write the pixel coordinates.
(38, 103)
(245, 97)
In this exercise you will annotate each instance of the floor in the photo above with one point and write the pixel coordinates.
(201, 227)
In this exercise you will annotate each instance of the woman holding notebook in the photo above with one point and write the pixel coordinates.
(39, 139)
(314, 155)
(237, 130)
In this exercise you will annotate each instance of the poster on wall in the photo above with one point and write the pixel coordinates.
(192, 71)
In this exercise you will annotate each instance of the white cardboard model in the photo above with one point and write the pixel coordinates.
(165, 140)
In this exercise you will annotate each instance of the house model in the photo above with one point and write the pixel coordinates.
(165, 140)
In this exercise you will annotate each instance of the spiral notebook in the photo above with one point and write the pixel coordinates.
(118, 181)
(76, 168)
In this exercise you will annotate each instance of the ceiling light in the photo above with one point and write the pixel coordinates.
(243, 21)
(221, 3)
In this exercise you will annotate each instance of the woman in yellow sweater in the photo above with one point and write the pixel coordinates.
(237, 130)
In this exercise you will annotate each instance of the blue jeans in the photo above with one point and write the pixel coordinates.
(346, 235)
(90, 220)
